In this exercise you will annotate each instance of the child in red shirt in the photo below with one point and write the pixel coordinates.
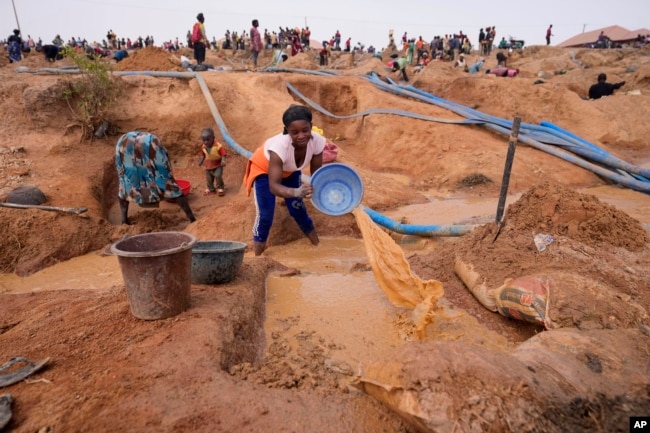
(213, 159)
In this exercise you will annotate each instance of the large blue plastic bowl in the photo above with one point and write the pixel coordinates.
(338, 189)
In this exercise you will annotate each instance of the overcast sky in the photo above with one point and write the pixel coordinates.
(366, 21)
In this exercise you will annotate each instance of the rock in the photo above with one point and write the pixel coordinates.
(26, 195)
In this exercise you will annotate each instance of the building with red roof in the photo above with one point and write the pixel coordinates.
(616, 34)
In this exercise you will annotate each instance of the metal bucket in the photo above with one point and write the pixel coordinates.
(216, 262)
(338, 189)
(156, 268)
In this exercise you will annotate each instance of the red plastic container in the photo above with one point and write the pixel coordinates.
(185, 185)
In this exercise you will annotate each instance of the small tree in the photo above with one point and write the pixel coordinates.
(91, 96)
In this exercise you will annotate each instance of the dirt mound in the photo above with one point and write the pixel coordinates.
(133, 369)
(150, 59)
(300, 61)
(554, 210)
(341, 60)
(63, 236)
(556, 382)
(589, 238)
(367, 64)
(596, 58)
(436, 70)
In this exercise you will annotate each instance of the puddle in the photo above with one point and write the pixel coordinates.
(451, 210)
(634, 203)
(331, 255)
(349, 311)
(442, 210)
(87, 272)
(345, 308)
(93, 271)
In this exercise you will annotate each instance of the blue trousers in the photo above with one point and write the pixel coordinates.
(265, 207)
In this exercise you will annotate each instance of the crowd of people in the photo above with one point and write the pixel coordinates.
(293, 39)
(110, 45)
(449, 47)
(297, 39)
(284, 38)
(275, 168)
(415, 52)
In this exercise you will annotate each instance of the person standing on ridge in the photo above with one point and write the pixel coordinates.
(256, 42)
(324, 54)
(549, 33)
(199, 39)
(14, 47)
(482, 42)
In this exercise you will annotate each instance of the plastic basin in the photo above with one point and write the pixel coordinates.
(338, 189)
(216, 261)
(185, 185)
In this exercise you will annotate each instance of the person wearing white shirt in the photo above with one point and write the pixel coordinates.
(275, 170)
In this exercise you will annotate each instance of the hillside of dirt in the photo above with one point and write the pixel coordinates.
(205, 369)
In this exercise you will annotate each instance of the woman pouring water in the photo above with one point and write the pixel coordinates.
(275, 169)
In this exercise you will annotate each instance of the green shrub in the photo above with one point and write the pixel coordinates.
(91, 95)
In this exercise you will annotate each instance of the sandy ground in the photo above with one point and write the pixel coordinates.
(206, 369)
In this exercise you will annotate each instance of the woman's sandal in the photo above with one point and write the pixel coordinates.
(221, 192)
(21, 373)
(208, 192)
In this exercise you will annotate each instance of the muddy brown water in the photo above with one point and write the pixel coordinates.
(93, 271)
(348, 308)
(335, 294)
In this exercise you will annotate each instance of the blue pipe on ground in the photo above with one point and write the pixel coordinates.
(472, 117)
(301, 71)
(576, 145)
(404, 113)
(376, 216)
(569, 157)
(642, 172)
(418, 230)
(217, 118)
(550, 134)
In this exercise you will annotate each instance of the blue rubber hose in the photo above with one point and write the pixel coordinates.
(626, 174)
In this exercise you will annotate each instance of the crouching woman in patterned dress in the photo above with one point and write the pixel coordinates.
(145, 174)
